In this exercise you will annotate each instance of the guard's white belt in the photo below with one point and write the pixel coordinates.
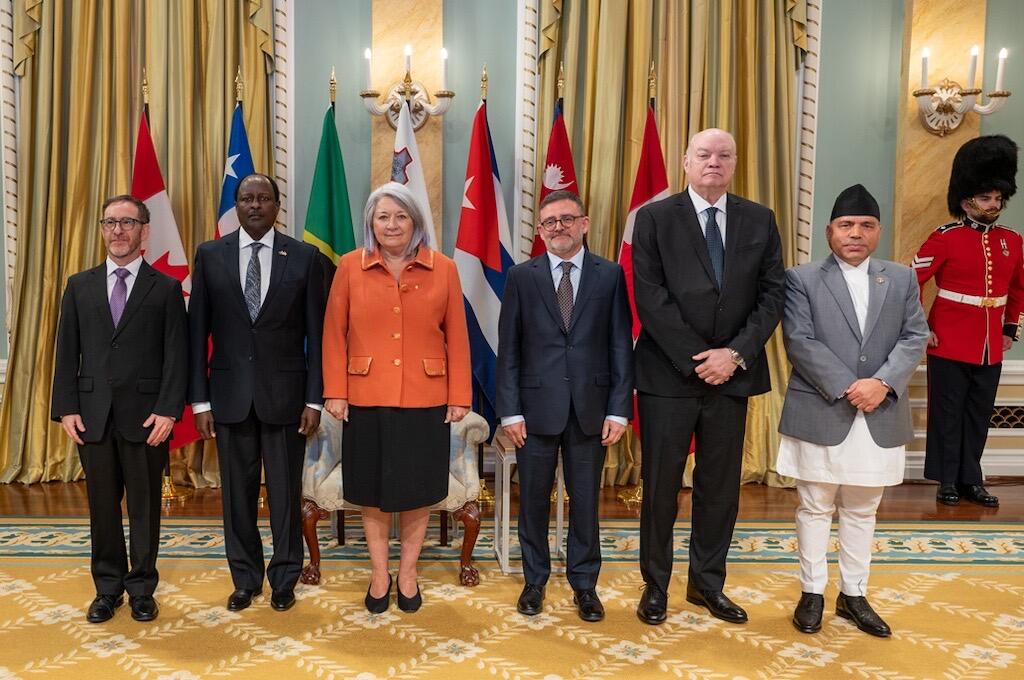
(973, 300)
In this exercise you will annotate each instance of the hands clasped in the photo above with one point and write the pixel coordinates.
(716, 366)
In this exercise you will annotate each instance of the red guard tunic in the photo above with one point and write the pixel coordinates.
(979, 270)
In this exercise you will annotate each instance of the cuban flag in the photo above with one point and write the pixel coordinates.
(482, 255)
(237, 166)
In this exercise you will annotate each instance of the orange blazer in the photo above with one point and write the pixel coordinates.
(389, 343)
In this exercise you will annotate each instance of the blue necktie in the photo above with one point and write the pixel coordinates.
(716, 251)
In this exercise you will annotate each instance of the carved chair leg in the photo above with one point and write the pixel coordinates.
(469, 515)
(444, 528)
(311, 514)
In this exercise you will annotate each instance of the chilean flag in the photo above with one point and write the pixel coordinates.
(236, 168)
(163, 249)
(482, 250)
(559, 172)
(651, 185)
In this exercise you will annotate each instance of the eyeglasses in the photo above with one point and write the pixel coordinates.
(551, 223)
(126, 223)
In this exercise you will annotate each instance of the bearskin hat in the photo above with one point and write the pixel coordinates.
(983, 164)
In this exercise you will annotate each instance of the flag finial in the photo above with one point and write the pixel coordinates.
(561, 78)
(332, 86)
(652, 82)
(483, 83)
(145, 87)
(238, 84)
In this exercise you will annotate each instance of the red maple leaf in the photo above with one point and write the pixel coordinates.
(179, 272)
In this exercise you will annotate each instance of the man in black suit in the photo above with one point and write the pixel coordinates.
(565, 381)
(118, 386)
(709, 285)
(258, 296)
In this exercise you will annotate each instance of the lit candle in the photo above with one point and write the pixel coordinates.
(444, 69)
(408, 58)
(925, 53)
(1001, 70)
(369, 78)
(973, 70)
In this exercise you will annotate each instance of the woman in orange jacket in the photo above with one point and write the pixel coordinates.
(397, 370)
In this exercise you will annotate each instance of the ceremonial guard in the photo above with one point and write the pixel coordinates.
(978, 268)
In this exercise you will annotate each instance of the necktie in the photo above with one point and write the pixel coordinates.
(565, 294)
(252, 282)
(119, 295)
(716, 251)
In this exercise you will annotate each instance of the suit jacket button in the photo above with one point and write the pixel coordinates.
(566, 378)
(250, 357)
(863, 358)
(110, 381)
(398, 362)
(571, 347)
(114, 345)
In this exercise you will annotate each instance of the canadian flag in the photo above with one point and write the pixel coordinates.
(162, 249)
(559, 172)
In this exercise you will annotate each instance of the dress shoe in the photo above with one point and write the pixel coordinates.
(409, 604)
(242, 598)
(531, 600)
(976, 493)
(282, 600)
(857, 609)
(144, 607)
(653, 605)
(948, 495)
(720, 606)
(807, 615)
(378, 605)
(588, 605)
(102, 608)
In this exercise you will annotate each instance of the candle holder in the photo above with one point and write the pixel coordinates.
(408, 90)
(942, 109)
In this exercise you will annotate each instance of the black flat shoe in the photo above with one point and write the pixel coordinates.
(977, 494)
(282, 600)
(588, 605)
(409, 604)
(653, 607)
(144, 607)
(720, 606)
(857, 610)
(531, 600)
(947, 495)
(242, 598)
(807, 615)
(378, 605)
(103, 607)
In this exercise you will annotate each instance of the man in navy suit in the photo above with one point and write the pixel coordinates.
(565, 381)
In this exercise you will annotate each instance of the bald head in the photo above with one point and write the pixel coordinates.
(710, 162)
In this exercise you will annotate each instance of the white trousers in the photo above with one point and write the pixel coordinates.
(857, 506)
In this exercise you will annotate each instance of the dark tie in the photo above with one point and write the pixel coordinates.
(716, 251)
(565, 294)
(252, 282)
(119, 295)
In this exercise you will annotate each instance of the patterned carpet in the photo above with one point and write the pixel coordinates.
(954, 594)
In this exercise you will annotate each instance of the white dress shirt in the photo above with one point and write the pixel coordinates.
(129, 281)
(575, 274)
(701, 206)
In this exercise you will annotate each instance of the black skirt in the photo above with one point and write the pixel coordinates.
(395, 459)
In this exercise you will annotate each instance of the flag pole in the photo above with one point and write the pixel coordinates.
(486, 495)
(332, 90)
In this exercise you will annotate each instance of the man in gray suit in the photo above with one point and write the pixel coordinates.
(854, 331)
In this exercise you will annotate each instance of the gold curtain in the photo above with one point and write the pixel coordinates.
(80, 70)
(725, 63)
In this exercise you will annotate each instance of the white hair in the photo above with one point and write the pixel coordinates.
(400, 194)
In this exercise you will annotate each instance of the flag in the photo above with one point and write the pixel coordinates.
(162, 249)
(482, 256)
(559, 171)
(407, 169)
(651, 185)
(237, 166)
(329, 216)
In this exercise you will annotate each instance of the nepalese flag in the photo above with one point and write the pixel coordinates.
(407, 169)
(237, 166)
(162, 249)
(559, 171)
(482, 256)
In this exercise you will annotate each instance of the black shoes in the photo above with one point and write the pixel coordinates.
(530, 600)
(947, 495)
(409, 604)
(144, 607)
(378, 605)
(282, 600)
(588, 605)
(102, 608)
(720, 606)
(653, 605)
(242, 598)
(807, 615)
(857, 610)
(976, 493)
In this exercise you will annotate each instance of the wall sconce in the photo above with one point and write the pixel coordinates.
(943, 108)
(407, 90)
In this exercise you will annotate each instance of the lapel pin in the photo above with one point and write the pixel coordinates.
(880, 279)
(282, 252)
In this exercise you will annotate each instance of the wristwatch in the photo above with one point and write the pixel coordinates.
(885, 384)
(737, 358)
